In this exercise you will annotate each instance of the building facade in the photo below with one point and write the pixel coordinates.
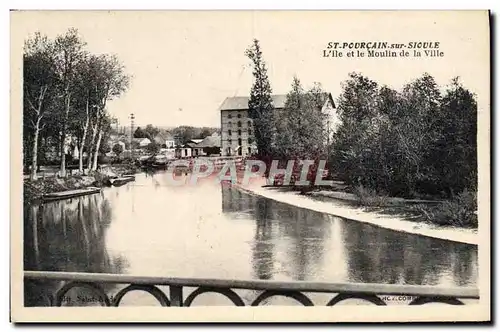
(237, 130)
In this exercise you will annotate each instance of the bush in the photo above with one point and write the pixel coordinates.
(369, 197)
(460, 211)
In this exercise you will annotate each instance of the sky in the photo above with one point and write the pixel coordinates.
(184, 64)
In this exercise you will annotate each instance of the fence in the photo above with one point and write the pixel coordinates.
(373, 293)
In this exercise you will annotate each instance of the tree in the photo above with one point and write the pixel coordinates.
(260, 105)
(153, 148)
(415, 129)
(86, 101)
(454, 151)
(205, 132)
(112, 83)
(407, 143)
(139, 133)
(151, 132)
(117, 149)
(39, 87)
(351, 152)
(300, 125)
(68, 53)
(184, 133)
(63, 80)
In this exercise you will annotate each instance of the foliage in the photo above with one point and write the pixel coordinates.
(184, 134)
(153, 148)
(260, 105)
(66, 90)
(300, 125)
(369, 197)
(39, 86)
(117, 149)
(407, 143)
(460, 211)
(139, 133)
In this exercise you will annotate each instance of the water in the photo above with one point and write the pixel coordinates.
(149, 228)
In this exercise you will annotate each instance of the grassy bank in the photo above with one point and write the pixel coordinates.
(34, 190)
(460, 210)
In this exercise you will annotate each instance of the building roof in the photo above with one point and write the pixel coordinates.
(140, 139)
(241, 103)
(162, 137)
(209, 142)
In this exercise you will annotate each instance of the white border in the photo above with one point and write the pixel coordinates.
(185, 4)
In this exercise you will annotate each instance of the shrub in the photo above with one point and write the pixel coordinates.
(460, 211)
(369, 197)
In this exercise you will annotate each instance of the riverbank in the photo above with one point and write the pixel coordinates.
(345, 209)
(34, 190)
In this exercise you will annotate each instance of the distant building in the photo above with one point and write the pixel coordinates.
(196, 150)
(209, 146)
(237, 130)
(169, 141)
(184, 151)
(142, 142)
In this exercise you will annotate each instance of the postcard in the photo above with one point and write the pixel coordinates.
(250, 166)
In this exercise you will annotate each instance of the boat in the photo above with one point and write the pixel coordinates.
(121, 180)
(69, 194)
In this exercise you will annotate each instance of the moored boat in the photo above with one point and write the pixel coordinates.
(69, 194)
(121, 180)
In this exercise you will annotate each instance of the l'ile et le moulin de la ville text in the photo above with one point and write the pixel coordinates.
(382, 49)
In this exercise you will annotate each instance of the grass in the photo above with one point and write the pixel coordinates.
(369, 197)
(459, 211)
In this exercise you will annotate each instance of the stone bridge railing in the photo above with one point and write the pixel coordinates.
(374, 293)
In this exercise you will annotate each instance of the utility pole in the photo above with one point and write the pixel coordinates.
(132, 118)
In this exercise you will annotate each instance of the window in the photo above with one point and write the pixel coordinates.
(249, 141)
(249, 150)
(249, 131)
(239, 124)
(239, 116)
(239, 132)
(229, 132)
(229, 124)
(229, 116)
(249, 124)
(229, 142)
(239, 141)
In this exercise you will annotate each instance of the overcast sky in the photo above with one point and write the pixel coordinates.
(184, 64)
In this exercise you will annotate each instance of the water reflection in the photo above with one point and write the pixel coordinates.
(67, 236)
(147, 227)
(299, 244)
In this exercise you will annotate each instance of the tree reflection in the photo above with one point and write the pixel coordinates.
(305, 232)
(377, 255)
(263, 247)
(67, 236)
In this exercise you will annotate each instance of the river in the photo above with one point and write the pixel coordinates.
(150, 228)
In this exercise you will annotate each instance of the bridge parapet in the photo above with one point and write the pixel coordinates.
(373, 293)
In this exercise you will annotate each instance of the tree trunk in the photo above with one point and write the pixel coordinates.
(96, 152)
(91, 144)
(34, 165)
(63, 140)
(82, 143)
